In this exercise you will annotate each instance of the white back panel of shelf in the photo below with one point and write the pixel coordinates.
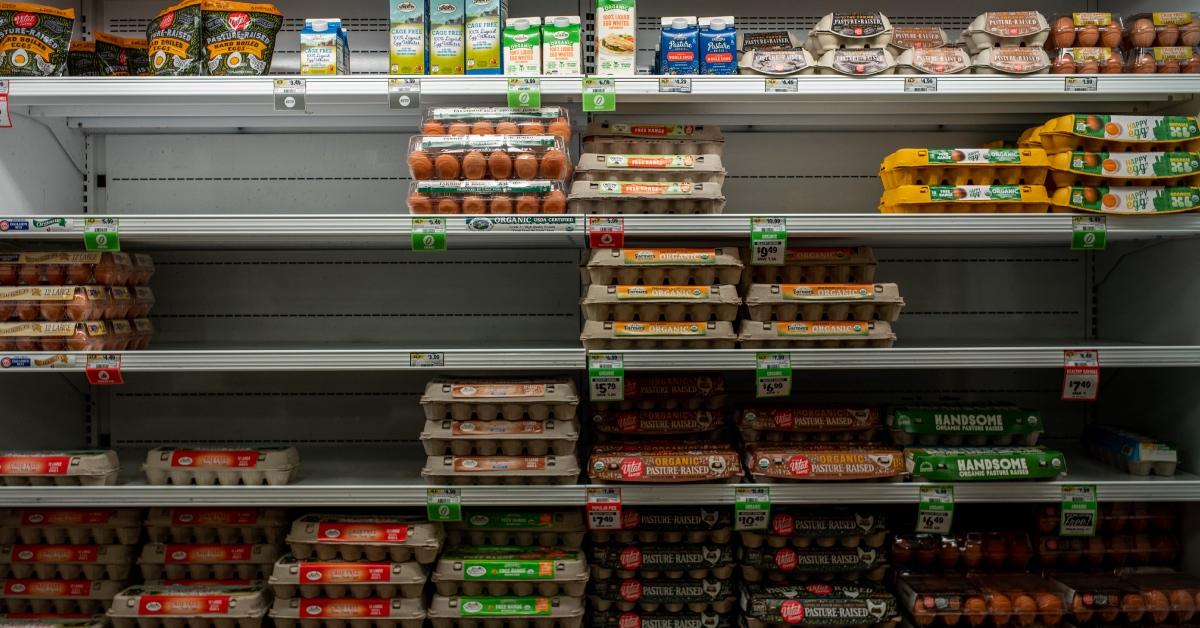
(36, 176)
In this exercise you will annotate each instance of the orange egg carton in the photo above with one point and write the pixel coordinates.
(486, 197)
(1086, 29)
(967, 551)
(1115, 550)
(498, 157)
(497, 121)
(1115, 517)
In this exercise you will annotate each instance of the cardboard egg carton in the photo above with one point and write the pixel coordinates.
(609, 424)
(778, 606)
(508, 438)
(816, 334)
(361, 613)
(224, 466)
(653, 139)
(645, 197)
(793, 564)
(292, 577)
(1118, 133)
(828, 302)
(651, 168)
(664, 266)
(661, 303)
(673, 560)
(979, 199)
(849, 30)
(858, 63)
(664, 595)
(491, 470)
(664, 462)
(803, 527)
(203, 561)
(670, 524)
(622, 335)
(614, 618)
(97, 467)
(1126, 200)
(376, 538)
(543, 528)
(1006, 28)
(506, 612)
(56, 596)
(697, 391)
(804, 423)
(936, 61)
(539, 399)
(825, 462)
(1017, 61)
(906, 38)
(200, 606)
(971, 425)
(510, 570)
(66, 562)
(1157, 168)
(1129, 451)
(216, 525)
(818, 265)
(964, 166)
(17, 620)
(76, 526)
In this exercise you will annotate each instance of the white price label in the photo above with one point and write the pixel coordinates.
(781, 86)
(404, 93)
(1081, 84)
(920, 84)
(1081, 374)
(675, 85)
(752, 507)
(603, 508)
(290, 95)
(935, 510)
(426, 360)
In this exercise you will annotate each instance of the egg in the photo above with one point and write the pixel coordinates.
(1169, 66)
(948, 555)
(923, 614)
(1162, 516)
(1193, 64)
(499, 165)
(1064, 32)
(8, 274)
(1141, 34)
(1079, 611)
(446, 166)
(560, 128)
(29, 311)
(1025, 609)
(1069, 551)
(1019, 553)
(976, 610)
(1113, 65)
(1047, 516)
(448, 205)
(459, 128)
(554, 164)
(433, 127)
(527, 204)
(507, 128)
(1133, 606)
(33, 344)
(419, 203)
(526, 166)
(994, 552)
(1144, 63)
(1168, 35)
(482, 127)
(1090, 195)
(952, 613)
(1118, 546)
(79, 309)
(1144, 550)
(1183, 605)
(1157, 605)
(972, 553)
(926, 555)
(1094, 551)
(1048, 552)
(474, 205)
(1089, 67)
(1050, 608)
(420, 165)
(1110, 36)
(554, 203)
(1189, 34)
(57, 275)
(30, 275)
(1094, 123)
(901, 551)
(1087, 36)
(532, 128)
(474, 166)
(1064, 64)
(502, 205)
(1117, 514)
(1000, 608)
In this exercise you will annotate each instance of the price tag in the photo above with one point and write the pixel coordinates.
(443, 504)
(1081, 84)
(935, 510)
(101, 234)
(781, 86)
(404, 93)
(773, 372)
(606, 376)
(5, 118)
(599, 94)
(674, 85)
(428, 234)
(525, 92)
(103, 369)
(751, 507)
(920, 84)
(1078, 511)
(606, 232)
(426, 360)
(603, 508)
(768, 240)
(289, 95)
(1089, 233)
(1081, 374)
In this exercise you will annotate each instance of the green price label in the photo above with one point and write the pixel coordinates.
(508, 569)
(525, 92)
(599, 94)
(428, 234)
(606, 376)
(752, 507)
(503, 606)
(1078, 511)
(935, 510)
(773, 374)
(443, 504)
(1089, 233)
(768, 240)
(101, 234)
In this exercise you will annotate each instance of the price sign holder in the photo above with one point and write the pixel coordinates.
(606, 376)
(920, 84)
(443, 504)
(599, 94)
(606, 232)
(435, 360)
(752, 507)
(428, 234)
(1078, 516)
(675, 85)
(1081, 374)
(404, 93)
(1081, 84)
(525, 92)
(773, 374)
(781, 86)
(768, 240)
(935, 510)
(1089, 233)
(603, 508)
(101, 234)
(103, 369)
(290, 95)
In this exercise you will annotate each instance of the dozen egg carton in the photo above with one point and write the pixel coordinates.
(500, 431)
(164, 465)
(802, 442)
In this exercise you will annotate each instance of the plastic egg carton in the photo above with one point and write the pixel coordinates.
(117, 301)
(538, 399)
(1163, 60)
(1131, 452)
(661, 303)
(506, 438)
(1092, 169)
(857, 63)
(61, 336)
(56, 596)
(1019, 61)
(215, 525)
(964, 166)
(664, 595)
(622, 335)
(486, 197)
(1091, 60)
(821, 462)
(956, 464)
(510, 570)
(696, 525)
(1116, 517)
(1107, 550)
(143, 301)
(494, 526)
(71, 268)
(228, 466)
(292, 577)
(664, 266)
(497, 157)
(653, 139)
(655, 423)
(492, 470)
(1173, 588)
(1127, 200)
(1163, 28)
(143, 333)
(375, 538)
(361, 613)
(943, 600)
(96, 467)
(802, 423)
(66, 562)
(497, 121)
(905, 38)
(1086, 30)
(978, 199)
(653, 561)
(53, 303)
(505, 612)
(824, 527)
(816, 334)
(196, 606)
(849, 30)
(819, 265)
(1119, 133)
(635, 197)
(1105, 598)
(651, 168)
(700, 391)
(829, 302)
(975, 426)
(783, 564)
(1027, 29)
(778, 606)
(665, 462)
(963, 551)
(937, 61)
(76, 526)
(202, 561)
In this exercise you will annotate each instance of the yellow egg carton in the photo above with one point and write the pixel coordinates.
(1120, 133)
(964, 166)
(1137, 201)
(1084, 168)
(979, 199)
(1030, 138)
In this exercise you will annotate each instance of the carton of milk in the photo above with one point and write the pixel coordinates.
(616, 37)
(483, 36)
(523, 46)
(447, 37)
(406, 37)
(679, 46)
(718, 45)
(324, 47)
(562, 53)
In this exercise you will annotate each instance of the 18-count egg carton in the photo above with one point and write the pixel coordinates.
(777, 606)
(645, 197)
(544, 528)
(365, 613)
(18, 620)
(216, 525)
(828, 302)
(647, 303)
(38, 596)
(651, 168)
(371, 537)
(495, 157)
(225, 466)
(336, 579)
(68, 562)
(77, 526)
(664, 266)
(59, 468)
(665, 560)
(500, 399)
(497, 121)
(852, 334)
(817, 461)
(802, 564)
(694, 391)
(198, 606)
(199, 561)
(653, 139)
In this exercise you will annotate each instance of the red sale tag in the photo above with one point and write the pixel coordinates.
(104, 369)
(606, 232)
(603, 508)
(1081, 374)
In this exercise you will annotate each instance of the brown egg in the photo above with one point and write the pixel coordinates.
(474, 166)
(1169, 66)
(1089, 67)
(1050, 608)
(1168, 35)
(459, 128)
(502, 205)
(951, 613)
(554, 203)
(554, 164)
(527, 204)
(56, 274)
(1019, 553)
(507, 128)
(532, 128)
(446, 166)
(420, 165)
(1118, 549)
(78, 274)
(901, 551)
(923, 614)
(79, 341)
(926, 555)
(8, 274)
(474, 205)
(1143, 550)
(1090, 195)
(1141, 34)
(1087, 36)
(1157, 605)
(29, 311)
(448, 205)
(526, 166)
(1162, 516)
(1079, 611)
(1110, 36)
(972, 554)
(30, 275)
(1193, 64)
(1094, 551)
(1133, 606)
(561, 128)
(499, 165)
(1144, 63)
(948, 554)
(1118, 514)
(1047, 516)
(79, 309)
(1110, 612)
(1070, 551)
(1064, 32)
(419, 203)
(1048, 552)
(1025, 609)
(1113, 65)
(1064, 64)
(1189, 34)
(976, 610)
(33, 344)
(6, 310)
(1183, 605)
(994, 552)
(433, 127)
(482, 127)
(1000, 608)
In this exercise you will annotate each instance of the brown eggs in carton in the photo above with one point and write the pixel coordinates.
(541, 612)
(828, 302)
(507, 438)
(497, 121)
(198, 606)
(496, 526)
(672, 596)
(56, 303)
(661, 303)
(66, 562)
(816, 334)
(497, 157)
(74, 268)
(490, 470)
(60, 336)
(292, 577)
(200, 561)
(225, 466)
(634, 197)
(375, 538)
(486, 197)
(77, 526)
(664, 266)
(653, 139)
(535, 399)
(59, 468)
(622, 335)
(215, 525)
(670, 560)
(510, 570)
(651, 168)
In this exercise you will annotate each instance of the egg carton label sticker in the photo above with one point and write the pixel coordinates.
(511, 521)
(667, 162)
(34, 465)
(545, 224)
(494, 113)
(822, 328)
(1171, 18)
(918, 37)
(633, 328)
(1091, 19)
(65, 517)
(974, 156)
(183, 605)
(669, 257)
(47, 588)
(494, 428)
(475, 464)
(974, 192)
(830, 292)
(503, 606)
(1136, 200)
(362, 533)
(344, 572)
(650, 293)
(508, 570)
(671, 131)
(490, 391)
(343, 608)
(631, 188)
(200, 458)
(445, 142)
(857, 24)
(208, 553)
(54, 554)
(1012, 23)
(213, 516)
(809, 419)
(1136, 164)
(1006, 421)
(1136, 128)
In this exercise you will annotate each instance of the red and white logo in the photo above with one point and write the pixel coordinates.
(627, 422)
(785, 559)
(783, 524)
(166, 21)
(238, 20)
(629, 620)
(630, 519)
(632, 469)
(25, 20)
(818, 589)
(631, 557)
(631, 590)
(792, 611)
(799, 465)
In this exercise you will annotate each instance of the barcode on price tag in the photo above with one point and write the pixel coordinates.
(773, 374)
(1081, 374)
(768, 240)
(752, 507)
(443, 504)
(606, 376)
(1078, 511)
(606, 232)
(103, 369)
(935, 510)
(603, 508)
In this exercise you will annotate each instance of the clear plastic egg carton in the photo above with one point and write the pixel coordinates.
(1095, 60)
(825, 462)
(1086, 29)
(143, 300)
(633, 197)
(653, 561)
(54, 303)
(661, 303)
(1162, 60)
(818, 265)
(337, 612)
(806, 526)
(193, 606)
(72, 268)
(964, 166)
(816, 334)
(609, 424)
(496, 157)
(75, 526)
(506, 438)
(505, 612)
(828, 302)
(1163, 28)
(803, 423)
(66, 562)
(486, 197)
(496, 470)
(905, 38)
(497, 121)
(622, 335)
(653, 139)
(538, 399)
(849, 30)
(225, 466)
(664, 266)
(292, 577)
(1119, 133)
(664, 595)
(216, 525)
(1094, 169)
(978, 199)
(1129, 451)
(510, 570)
(700, 391)
(60, 336)
(651, 168)
(97, 467)
(375, 538)
(859, 63)
(1018, 61)
(494, 526)
(664, 462)
(1006, 28)
(56, 596)
(936, 61)
(1131, 201)
(670, 524)
(203, 561)
(973, 426)
(613, 618)
(963, 551)
(865, 606)
(801, 564)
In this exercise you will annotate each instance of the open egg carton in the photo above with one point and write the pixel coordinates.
(491, 470)
(459, 121)
(624, 424)
(498, 570)
(1129, 451)
(216, 525)
(495, 157)
(645, 197)
(486, 197)
(537, 612)
(683, 391)
(371, 537)
(75, 526)
(1122, 200)
(707, 597)
(675, 461)
(337, 579)
(829, 461)
(962, 551)
(653, 139)
(331, 612)
(199, 606)
(225, 466)
(651, 168)
(53, 268)
(462, 399)
(38, 596)
(851, 334)
(650, 303)
(494, 526)
(97, 467)
(964, 166)
(824, 302)
(825, 527)
(67, 562)
(199, 561)
(662, 560)
(778, 423)
(781, 605)
(972, 425)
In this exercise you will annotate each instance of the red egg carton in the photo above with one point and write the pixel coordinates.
(1164, 60)
(1116, 550)
(497, 121)
(1130, 517)
(72, 268)
(1169, 597)
(1162, 28)
(1088, 60)
(1103, 598)
(496, 157)
(968, 551)
(76, 526)
(55, 303)
(1086, 29)
(486, 197)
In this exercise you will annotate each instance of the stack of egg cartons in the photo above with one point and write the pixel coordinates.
(65, 562)
(649, 169)
(804, 442)
(500, 431)
(203, 545)
(356, 568)
(852, 44)
(93, 467)
(964, 180)
(1008, 42)
(510, 567)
